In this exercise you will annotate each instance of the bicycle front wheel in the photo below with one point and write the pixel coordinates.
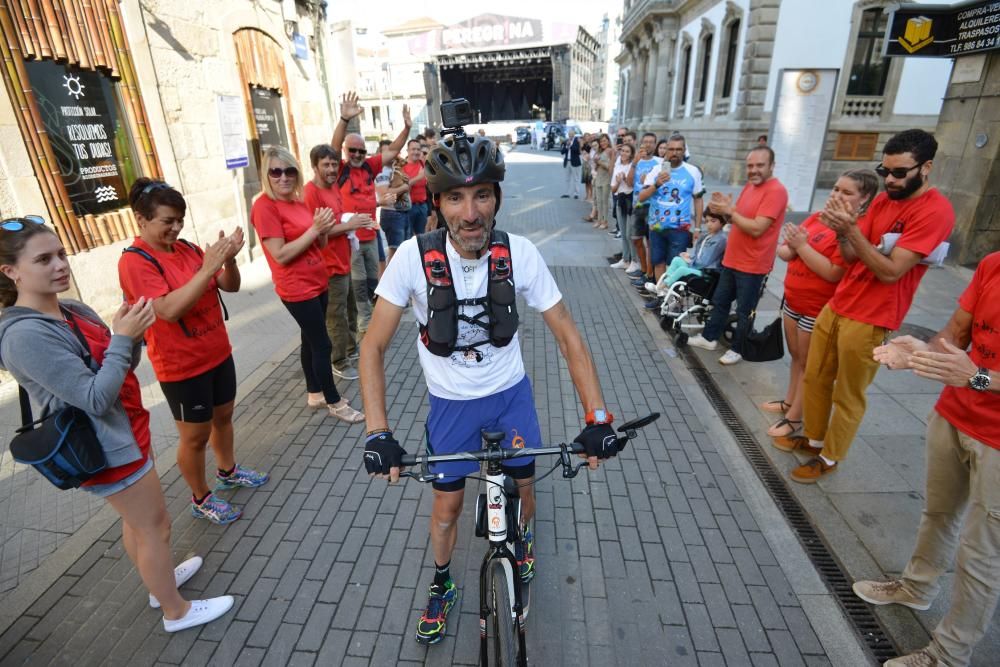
(502, 626)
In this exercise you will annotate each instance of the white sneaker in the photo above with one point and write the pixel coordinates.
(182, 573)
(633, 267)
(699, 341)
(730, 358)
(620, 264)
(200, 613)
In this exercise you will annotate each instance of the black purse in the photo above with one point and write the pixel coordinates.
(768, 344)
(62, 446)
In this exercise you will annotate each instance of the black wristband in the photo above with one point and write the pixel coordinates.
(346, 121)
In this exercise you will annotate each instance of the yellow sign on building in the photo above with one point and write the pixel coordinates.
(917, 35)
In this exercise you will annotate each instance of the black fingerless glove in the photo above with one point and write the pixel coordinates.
(599, 440)
(382, 452)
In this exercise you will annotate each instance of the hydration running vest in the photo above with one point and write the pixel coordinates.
(499, 316)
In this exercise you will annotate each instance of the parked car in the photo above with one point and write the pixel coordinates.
(523, 133)
(555, 135)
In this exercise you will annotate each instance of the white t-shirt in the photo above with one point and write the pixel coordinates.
(460, 376)
(625, 187)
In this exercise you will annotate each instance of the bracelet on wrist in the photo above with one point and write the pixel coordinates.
(346, 120)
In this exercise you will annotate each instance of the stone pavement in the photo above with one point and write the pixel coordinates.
(672, 553)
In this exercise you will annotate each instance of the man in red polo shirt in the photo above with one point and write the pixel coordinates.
(342, 311)
(963, 468)
(871, 299)
(357, 190)
(756, 221)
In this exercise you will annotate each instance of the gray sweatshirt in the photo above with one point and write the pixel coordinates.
(45, 356)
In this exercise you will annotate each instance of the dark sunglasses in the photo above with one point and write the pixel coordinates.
(898, 172)
(357, 151)
(155, 185)
(278, 172)
(17, 224)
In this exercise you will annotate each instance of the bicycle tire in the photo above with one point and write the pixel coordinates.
(502, 629)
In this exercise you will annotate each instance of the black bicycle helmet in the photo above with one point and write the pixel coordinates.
(463, 160)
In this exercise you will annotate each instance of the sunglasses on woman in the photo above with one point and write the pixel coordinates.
(278, 172)
(17, 224)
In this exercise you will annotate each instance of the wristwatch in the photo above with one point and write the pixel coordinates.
(602, 416)
(980, 381)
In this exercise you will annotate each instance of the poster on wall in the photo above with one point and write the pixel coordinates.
(799, 123)
(86, 132)
(232, 121)
(268, 117)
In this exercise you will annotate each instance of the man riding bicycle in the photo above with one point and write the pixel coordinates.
(461, 280)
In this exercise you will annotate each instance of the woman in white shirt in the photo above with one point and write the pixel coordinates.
(621, 187)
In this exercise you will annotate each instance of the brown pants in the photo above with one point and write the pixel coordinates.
(961, 473)
(839, 369)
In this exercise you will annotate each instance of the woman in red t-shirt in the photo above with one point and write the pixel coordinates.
(188, 345)
(293, 237)
(815, 266)
(43, 343)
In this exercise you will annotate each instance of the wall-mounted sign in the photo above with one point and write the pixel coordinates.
(300, 48)
(799, 123)
(268, 117)
(944, 32)
(232, 122)
(491, 30)
(80, 115)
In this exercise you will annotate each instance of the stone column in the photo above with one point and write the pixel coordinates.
(665, 37)
(649, 81)
(757, 51)
(638, 81)
(967, 165)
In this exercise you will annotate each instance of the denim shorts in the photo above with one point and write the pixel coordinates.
(455, 426)
(396, 225)
(666, 244)
(105, 490)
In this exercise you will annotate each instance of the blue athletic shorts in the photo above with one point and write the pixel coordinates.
(455, 426)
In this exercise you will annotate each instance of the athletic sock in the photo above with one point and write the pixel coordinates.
(198, 501)
(816, 443)
(442, 573)
(827, 461)
(227, 473)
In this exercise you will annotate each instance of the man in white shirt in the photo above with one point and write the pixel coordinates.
(470, 353)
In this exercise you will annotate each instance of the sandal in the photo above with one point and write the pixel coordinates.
(794, 424)
(777, 407)
(315, 405)
(346, 413)
(588, 218)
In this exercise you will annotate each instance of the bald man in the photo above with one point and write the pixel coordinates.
(357, 190)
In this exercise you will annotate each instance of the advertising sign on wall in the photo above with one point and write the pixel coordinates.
(943, 32)
(81, 119)
(268, 117)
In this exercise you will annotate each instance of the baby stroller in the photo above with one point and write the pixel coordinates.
(687, 305)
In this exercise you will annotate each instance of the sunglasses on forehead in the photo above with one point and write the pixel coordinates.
(156, 185)
(17, 224)
(278, 172)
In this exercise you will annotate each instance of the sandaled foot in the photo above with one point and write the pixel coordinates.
(785, 428)
(777, 407)
(345, 412)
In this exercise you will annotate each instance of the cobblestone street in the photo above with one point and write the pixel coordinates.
(672, 553)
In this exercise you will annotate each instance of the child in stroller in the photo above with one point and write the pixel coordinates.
(686, 286)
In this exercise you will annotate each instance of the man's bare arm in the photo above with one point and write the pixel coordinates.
(371, 364)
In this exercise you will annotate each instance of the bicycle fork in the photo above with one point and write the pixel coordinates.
(497, 527)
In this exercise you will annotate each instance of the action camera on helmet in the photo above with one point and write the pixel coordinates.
(456, 113)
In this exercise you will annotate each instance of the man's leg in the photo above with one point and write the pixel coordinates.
(747, 296)
(444, 523)
(352, 319)
(947, 494)
(977, 570)
(336, 318)
(855, 371)
(359, 282)
(722, 301)
(821, 373)
(574, 180)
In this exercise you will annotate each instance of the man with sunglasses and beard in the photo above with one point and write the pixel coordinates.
(357, 190)
(477, 380)
(871, 299)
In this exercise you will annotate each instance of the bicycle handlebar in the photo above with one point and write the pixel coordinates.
(628, 429)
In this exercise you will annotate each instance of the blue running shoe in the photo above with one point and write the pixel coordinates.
(524, 553)
(241, 476)
(216, 510)
(440, 600)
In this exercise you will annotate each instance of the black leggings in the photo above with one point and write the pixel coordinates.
(310, 315)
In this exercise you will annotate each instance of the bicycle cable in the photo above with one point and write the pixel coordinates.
(519, 486)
